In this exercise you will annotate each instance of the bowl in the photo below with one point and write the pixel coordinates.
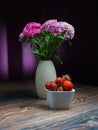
(59, 99)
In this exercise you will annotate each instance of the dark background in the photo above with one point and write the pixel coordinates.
(80, 60)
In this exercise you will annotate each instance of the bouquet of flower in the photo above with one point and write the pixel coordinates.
(46, 38)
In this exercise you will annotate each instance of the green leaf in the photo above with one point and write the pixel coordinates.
(60, 37)
(69, 42)
(37, 53)
(35, 42)
(25, 40)
(58, 58)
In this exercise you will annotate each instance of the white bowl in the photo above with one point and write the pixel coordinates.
(59, 99)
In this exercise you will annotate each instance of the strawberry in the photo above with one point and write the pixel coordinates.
(59, 81)
(47, 85)
(67, 85)
(63, 83)
(66, 77)
(53, 86)
(60, 89)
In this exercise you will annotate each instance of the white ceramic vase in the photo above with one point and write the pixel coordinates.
(58, 99)
(45, 72)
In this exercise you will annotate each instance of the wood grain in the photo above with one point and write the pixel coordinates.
(21, 109)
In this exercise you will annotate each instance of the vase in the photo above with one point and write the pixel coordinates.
(59, 99)
(45, 72)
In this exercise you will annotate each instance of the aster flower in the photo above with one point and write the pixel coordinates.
(46, 38)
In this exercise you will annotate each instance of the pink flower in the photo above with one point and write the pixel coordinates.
(30, 30)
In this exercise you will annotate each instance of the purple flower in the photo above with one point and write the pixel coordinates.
(68, 29)
(58, 28)
(21, 35)
(52, 27)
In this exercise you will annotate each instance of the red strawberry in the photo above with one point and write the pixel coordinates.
(47, 85)
(53, 86)
(67, 85)
(59, 81)
(60, 88)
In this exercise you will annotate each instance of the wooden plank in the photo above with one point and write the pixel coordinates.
(21, 109)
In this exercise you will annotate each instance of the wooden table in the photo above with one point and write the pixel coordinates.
(21, 109)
